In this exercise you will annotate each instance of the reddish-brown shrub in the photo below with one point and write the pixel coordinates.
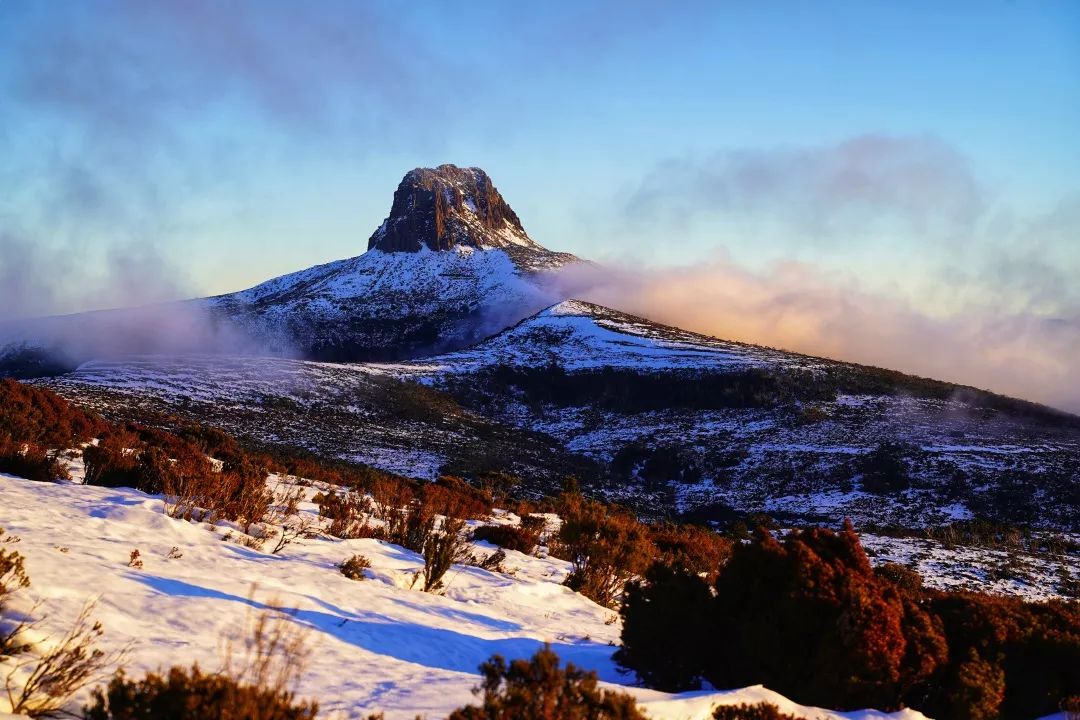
(114, 461)
(538, 689)
(605, 547)
(453, 497)
(354, 567)
(13, 578)
(807, 617)
(190, 694)
(692, 548)
(390, 496)
(1026, 655)
(508, 537)
(29, 460)
(30, 414)
(442, 548)
(817, 592)
(758, 711)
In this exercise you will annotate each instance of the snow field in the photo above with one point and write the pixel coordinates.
(377, 645)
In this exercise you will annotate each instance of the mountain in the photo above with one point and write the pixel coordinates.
(443, 349)
(686, 424)
(670, 422)
(450, 265)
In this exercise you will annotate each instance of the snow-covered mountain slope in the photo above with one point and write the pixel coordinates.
(667, 421)
(578, 335)
(383, 305)
(361, 413)
(378, 645)
(693, 424)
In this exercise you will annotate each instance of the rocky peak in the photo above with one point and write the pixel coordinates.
(445, 207)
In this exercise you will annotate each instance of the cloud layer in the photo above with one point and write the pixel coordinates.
(861, 185)
(802, 308)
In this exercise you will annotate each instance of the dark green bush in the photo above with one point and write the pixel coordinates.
(664, 617)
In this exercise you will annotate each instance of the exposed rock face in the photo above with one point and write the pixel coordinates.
(446, 207)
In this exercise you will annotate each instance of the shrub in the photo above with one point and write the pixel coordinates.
(605, 547)
(345, 511)
(976, 689)
(509, 537)
(901, 576)
(664, 618)
(44, 676)
(538, 689)
(884, 470)
(807, 617)
(29, 460)
(498, 484)
(1024, 655)
(533, 523)
(692, 548)
(453, 497)
(410, 527)
(30, 414)
(817, 592)
(390, 496)
(757, 711)
(354, 567)
(13, 578)
(190, 694)
(114, 461)
(442, 549)
(41, 676)
(194, 490)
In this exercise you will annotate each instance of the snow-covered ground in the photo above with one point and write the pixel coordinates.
(579, 335)
(378, 645)
(1002, 572)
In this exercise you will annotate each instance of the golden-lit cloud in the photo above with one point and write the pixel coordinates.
(803, 308)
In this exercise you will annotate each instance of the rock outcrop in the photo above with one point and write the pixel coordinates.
(447, 207)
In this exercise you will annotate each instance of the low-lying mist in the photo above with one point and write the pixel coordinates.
(798, 307)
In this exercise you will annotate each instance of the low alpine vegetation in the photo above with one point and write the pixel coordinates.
(191, 694)
(509, 537)
(759, 711)
(864, 638)
(354, 567)
(606, 548)
(538, 689)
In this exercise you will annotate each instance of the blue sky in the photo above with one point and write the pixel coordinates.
(161, 149)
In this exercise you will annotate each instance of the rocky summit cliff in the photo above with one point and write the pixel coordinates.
(446, 207)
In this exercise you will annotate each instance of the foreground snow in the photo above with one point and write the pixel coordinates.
(377, 644)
